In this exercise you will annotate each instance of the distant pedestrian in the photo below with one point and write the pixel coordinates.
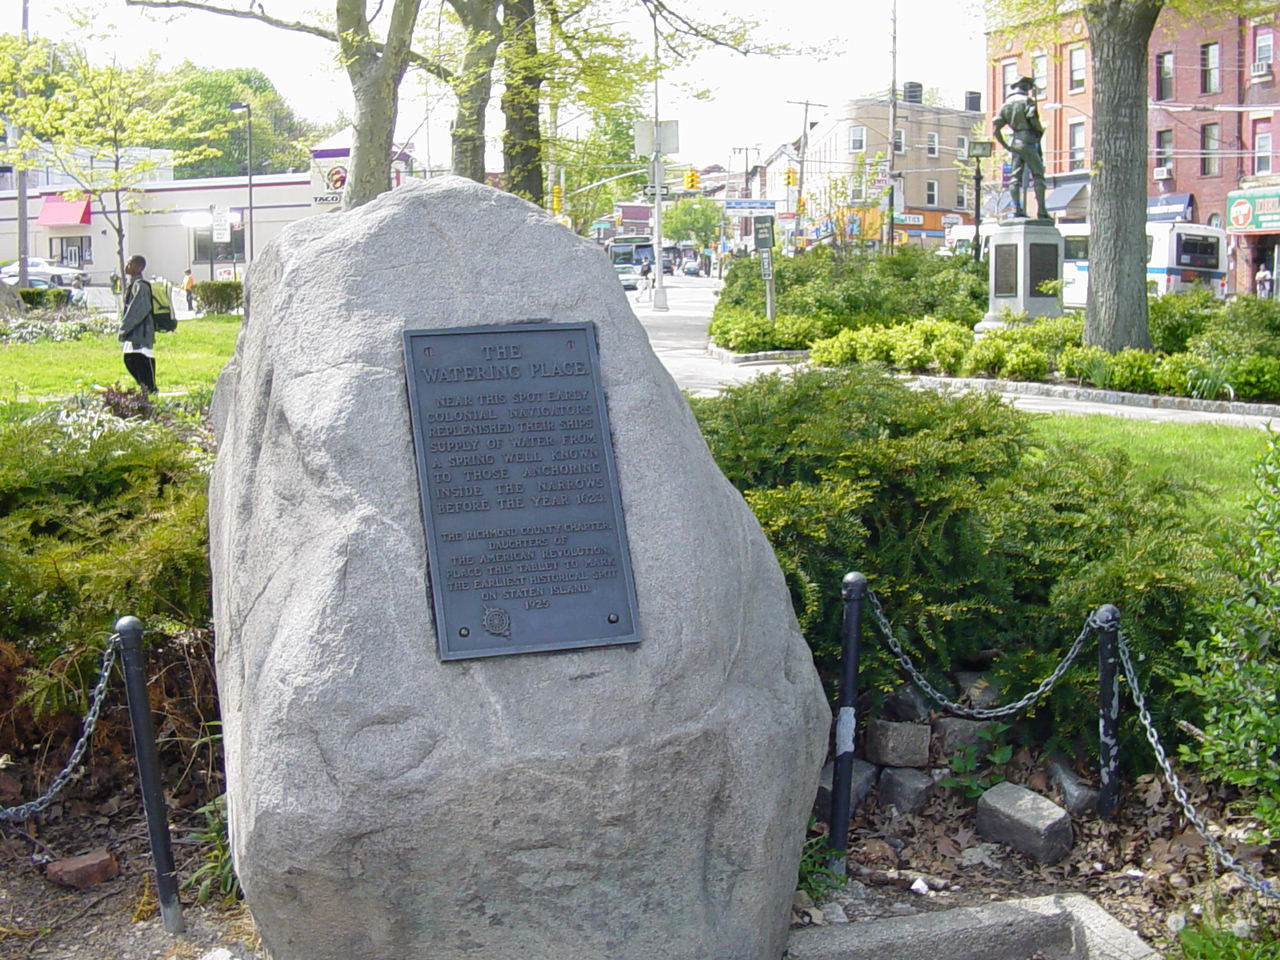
(646, 280)
(189, 287)
(137, 327)
(1262, 282)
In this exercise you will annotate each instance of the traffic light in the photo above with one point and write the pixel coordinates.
(789, 176)
(557, 198)
(692, 180)
(800, 206)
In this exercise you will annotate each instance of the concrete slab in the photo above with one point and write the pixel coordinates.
(1061, 927)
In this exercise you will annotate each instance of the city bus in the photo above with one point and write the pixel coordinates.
(634, 249)
(1180, 256)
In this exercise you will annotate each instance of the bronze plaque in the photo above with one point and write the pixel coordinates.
(1005, 282)
(1043, 263)
(526, 540)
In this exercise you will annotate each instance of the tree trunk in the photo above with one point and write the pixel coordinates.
(522, 139)
(375, 72)
(473, 84)
(1119, 31)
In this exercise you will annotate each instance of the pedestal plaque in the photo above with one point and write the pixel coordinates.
(1024, 254)
(525, 535)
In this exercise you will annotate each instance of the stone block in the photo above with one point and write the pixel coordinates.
(83, 871)
(891, 744)
(956, 733)
(1020, 818)
(906, 788)
(907, 703)
(979, 690)
(629, 801)
(1079, 798)
(864, 780)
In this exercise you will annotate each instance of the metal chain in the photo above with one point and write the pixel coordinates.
(24, 811)
(977, 713)
(1260, 886)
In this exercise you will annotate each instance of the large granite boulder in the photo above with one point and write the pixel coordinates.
(640, 801)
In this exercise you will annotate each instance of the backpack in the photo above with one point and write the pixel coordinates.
(161, 309)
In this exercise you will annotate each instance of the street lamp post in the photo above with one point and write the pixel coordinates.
(240, 106)
(979, 150)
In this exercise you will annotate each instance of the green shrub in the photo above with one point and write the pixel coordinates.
(1243, 327)
(986, 357)
(1173, 373)
(218, 296)
(910, 349)
(1256, 379)
(971, 539)
(1087, 364)
(741, 331)
(1133, 370)
(1175, 318)
(949, 350)
(1025, 362)
(45, 298)
(834, 351)
(1236, 668)
(874, 344)
(1050, 335)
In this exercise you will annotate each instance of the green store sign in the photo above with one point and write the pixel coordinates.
(1253, 210)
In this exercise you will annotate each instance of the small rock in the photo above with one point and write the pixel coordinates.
(956, 733)
(1035, 825)
(834, 913)
(919, 886)
(980, 854)
(898, 744)
(801, 900)
(1242, 929)
(218, 953)
(814, 916)
(862, 783)
(1175, 922)
(83, 871)
(1079, 798)
(907, 789)
(906, 703)
(980, 691)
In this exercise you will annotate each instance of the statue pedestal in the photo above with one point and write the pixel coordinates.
(1023, 254)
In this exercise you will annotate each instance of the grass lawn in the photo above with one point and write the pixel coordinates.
(188, 359)
(1218, 457)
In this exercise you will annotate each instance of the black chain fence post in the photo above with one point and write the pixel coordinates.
(144, 747)
(1108, 624)
(852, 590)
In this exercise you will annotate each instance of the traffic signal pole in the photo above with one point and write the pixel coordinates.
(659, 291)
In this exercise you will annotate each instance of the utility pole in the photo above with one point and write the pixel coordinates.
(893, 114)
(804, 148)
(659, 291)
(24, 248)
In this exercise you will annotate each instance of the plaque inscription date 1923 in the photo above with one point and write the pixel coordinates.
(525, 534)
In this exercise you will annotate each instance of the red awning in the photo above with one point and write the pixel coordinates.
(60, 212)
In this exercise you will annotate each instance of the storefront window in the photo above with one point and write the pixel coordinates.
(74, 251)
(222, 252)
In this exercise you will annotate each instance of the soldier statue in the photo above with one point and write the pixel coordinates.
(1019, 114)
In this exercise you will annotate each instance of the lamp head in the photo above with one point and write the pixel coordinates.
(239, 106)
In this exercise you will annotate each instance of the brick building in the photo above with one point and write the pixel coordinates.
(1212, 88)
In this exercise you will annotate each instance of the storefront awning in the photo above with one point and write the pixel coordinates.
(60, 212)
(1169, 206)
(1254, 211)
(1060, 198)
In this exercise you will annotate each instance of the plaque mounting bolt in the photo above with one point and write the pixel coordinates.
(464, 632)
(613, 618)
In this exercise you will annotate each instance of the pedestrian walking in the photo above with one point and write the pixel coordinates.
(646, 281)
(188, 287)
(137, 326)
(1262, 282)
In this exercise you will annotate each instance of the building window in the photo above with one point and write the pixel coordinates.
(1209, 140)
(1075, 145)
(1262, 147)
(857, 187)
(1164, 148)
(1210, 68)
(1215, 221)
(1040, 73)
(1008, 74)
(74, 251)
(899, 141)
(962, 147)
(963, 191)
(1075, 69)
(233, 251)
(931, 144)
(857, 139)
(1164, 76)
(931, 193)
(1263, 46)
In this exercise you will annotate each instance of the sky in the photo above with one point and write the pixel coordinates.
(940, 44)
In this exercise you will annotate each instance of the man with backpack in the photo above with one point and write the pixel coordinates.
(138, 326)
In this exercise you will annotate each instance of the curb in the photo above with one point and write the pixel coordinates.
(765, 356)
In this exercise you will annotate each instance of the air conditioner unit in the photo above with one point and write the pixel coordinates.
(1260, 68)
(1162, 173)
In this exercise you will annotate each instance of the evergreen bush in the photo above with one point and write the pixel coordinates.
(45, 298)
(1175, 318)
(218, 296)
(1025, 362)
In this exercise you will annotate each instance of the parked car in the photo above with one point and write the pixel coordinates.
(56, 274)
(628, 274)
(33, 283)
(692, 268)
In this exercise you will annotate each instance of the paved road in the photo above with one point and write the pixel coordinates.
(679, 337)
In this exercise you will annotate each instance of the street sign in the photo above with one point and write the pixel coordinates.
(952, 220)
(667, 140)
(649, 190)
(749, 208)
(764, 233)
(766, 264)
(221, 225)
